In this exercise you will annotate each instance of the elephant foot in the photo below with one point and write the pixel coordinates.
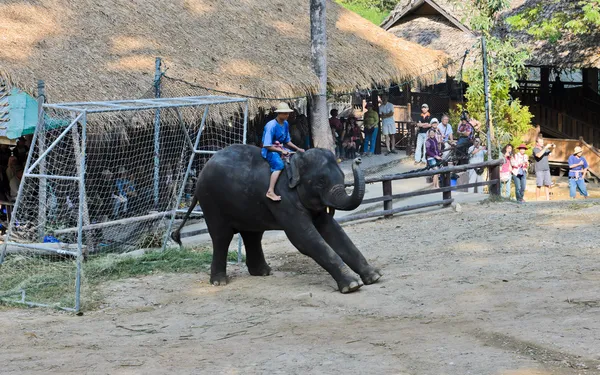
(263, 270)
(350, 286)
(371, 277)
(219, 279)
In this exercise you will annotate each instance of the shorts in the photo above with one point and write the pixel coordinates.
(275, 161)
(432, 162)
(542, 178)
(389, 129)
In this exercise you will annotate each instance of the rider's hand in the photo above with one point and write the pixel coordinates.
(284, 152)
(300, 149)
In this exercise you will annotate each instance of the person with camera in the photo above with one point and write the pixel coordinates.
(476, 155)
(542, 167)
(520, 164)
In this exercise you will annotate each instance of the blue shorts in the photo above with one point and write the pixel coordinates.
(275, 161)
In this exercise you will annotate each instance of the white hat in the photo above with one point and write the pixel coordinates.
(283, 108)
(434, 120)
(424, 105)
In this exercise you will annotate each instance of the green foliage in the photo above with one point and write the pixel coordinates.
(506, 64)
(577, 17)
(372, 10)
(50, 282)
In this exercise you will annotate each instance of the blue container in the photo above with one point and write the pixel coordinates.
(452, 182)
(50, 239)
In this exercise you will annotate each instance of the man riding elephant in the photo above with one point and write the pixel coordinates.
(231, 191)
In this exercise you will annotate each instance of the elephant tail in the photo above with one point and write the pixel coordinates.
(176, 234)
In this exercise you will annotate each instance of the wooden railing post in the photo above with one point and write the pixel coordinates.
(387, 191)
(495, 175)
(446, 182)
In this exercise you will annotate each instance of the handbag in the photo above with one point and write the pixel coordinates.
(505, 176)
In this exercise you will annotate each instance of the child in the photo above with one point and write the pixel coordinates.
(275, 136)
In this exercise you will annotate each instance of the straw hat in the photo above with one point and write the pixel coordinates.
(578, 150)
(522, 145)
(283, 108)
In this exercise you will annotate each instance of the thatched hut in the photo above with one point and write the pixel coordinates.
(90, 50)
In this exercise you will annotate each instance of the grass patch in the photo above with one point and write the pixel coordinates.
(370, 14)
(53, 281)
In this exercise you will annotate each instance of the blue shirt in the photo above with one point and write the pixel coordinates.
(275, 132)
(124, 186)
(574, 160)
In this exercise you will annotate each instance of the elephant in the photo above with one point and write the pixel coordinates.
(231, 192)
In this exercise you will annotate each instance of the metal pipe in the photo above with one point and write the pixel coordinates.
(42, 189)
(187, 173)
(42, 248)
(33, 175)
(56, 141)
(244, 140)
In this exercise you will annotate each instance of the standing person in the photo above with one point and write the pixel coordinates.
(433, 154)
(275, 136)
(542, 167)
(506, 171)
(370, 122)
(476, 155)
(336, 130)
(446, 129)
(520, 163)
(386, 113)
(577, 170)
(422, 125)
(466, 134)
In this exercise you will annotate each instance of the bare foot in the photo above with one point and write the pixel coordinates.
(274, 197)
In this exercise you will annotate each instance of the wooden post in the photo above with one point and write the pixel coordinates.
(319, 117)
(544, 83)
(495, 175)
(375, 101)
(447, 182)
(41, 141)
(387, 191)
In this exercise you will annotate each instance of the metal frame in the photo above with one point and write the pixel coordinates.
(79, 112)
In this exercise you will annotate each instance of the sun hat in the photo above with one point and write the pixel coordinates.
(425, 106)
(283, 108)
(522, 145)
(578, 150)
(434, 120)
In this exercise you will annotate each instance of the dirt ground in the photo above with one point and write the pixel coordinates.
(492, 288)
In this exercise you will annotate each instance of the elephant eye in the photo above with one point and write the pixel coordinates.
(322, 181)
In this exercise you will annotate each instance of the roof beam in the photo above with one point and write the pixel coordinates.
(388, 25)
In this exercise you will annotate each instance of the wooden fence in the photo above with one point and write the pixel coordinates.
(388, 196)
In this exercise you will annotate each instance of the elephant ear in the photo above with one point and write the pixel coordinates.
(293, 171)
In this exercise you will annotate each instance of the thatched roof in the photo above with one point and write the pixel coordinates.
(98, 50)
(571, 51)
(443, 25)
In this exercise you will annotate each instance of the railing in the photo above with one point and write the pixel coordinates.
(388, 196)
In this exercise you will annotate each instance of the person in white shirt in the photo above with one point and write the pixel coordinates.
(388, 125)
(476, 155)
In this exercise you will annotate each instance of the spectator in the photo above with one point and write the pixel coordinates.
(124, 192)
(446, 129)
(13, 167)
(577, 170)
(370, 122)
(466, 133)
(506, 171)
(476, 155)
(336, 130)
(388, 125)
(422, 125)
(352, 137)
(357, 100)
(520, 164)
(14, 185)
(542, 167)
(433, 154)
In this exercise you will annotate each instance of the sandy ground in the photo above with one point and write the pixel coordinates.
(493, 289)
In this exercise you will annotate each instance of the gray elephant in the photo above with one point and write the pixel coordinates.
(231, 191)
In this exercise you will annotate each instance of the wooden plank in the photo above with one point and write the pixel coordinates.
(370, 215)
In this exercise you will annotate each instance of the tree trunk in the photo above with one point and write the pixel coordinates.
(318, 55)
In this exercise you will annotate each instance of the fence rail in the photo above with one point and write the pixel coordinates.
(388, 197)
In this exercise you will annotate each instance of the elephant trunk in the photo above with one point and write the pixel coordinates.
(337, 197)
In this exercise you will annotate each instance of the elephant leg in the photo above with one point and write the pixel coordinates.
(255, 258)
(339, 241)
(221, 236)
(305, 237)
